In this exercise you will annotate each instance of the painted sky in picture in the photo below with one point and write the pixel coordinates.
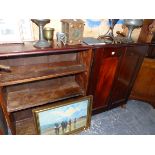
(63, 113)
(92, 23)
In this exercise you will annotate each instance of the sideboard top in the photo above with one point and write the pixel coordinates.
(9, 50)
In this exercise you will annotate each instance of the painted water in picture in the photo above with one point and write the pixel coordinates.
(64, 119)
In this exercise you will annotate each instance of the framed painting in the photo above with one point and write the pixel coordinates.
(63, 118)
(10, 31)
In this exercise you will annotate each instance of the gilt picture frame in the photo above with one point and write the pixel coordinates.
(63, 118)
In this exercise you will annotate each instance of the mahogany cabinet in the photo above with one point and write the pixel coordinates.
(31, 78)
(113, 73)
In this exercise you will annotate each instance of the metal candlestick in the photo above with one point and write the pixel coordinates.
(42, 42)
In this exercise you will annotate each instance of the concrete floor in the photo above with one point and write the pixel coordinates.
(138, 118)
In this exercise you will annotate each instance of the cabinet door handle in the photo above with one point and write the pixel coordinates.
(113, 53)
(116, 53)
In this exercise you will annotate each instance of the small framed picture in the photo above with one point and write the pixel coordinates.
(62, 118)
(10, 31)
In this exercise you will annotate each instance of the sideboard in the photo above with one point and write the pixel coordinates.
(31, 78)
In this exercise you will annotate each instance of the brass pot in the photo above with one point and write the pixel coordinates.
(48, 33)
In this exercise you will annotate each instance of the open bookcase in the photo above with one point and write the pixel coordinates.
(39, 77)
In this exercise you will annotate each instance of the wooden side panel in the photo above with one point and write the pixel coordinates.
(144, 87)
(103, 74)
(82, 79)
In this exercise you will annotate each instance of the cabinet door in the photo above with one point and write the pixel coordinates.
(128, 70)
(104, 68)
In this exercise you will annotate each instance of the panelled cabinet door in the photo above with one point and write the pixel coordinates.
(105, 64)
(128, 70)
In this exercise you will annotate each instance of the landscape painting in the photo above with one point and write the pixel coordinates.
(64, 119)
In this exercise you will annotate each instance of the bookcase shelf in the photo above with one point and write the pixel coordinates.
(23, 74)
(41, 92)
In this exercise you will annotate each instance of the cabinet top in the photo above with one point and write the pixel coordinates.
(9, 50)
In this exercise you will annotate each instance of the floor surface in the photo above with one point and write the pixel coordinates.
(138, 118)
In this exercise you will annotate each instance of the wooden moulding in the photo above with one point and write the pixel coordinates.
(41, 92)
